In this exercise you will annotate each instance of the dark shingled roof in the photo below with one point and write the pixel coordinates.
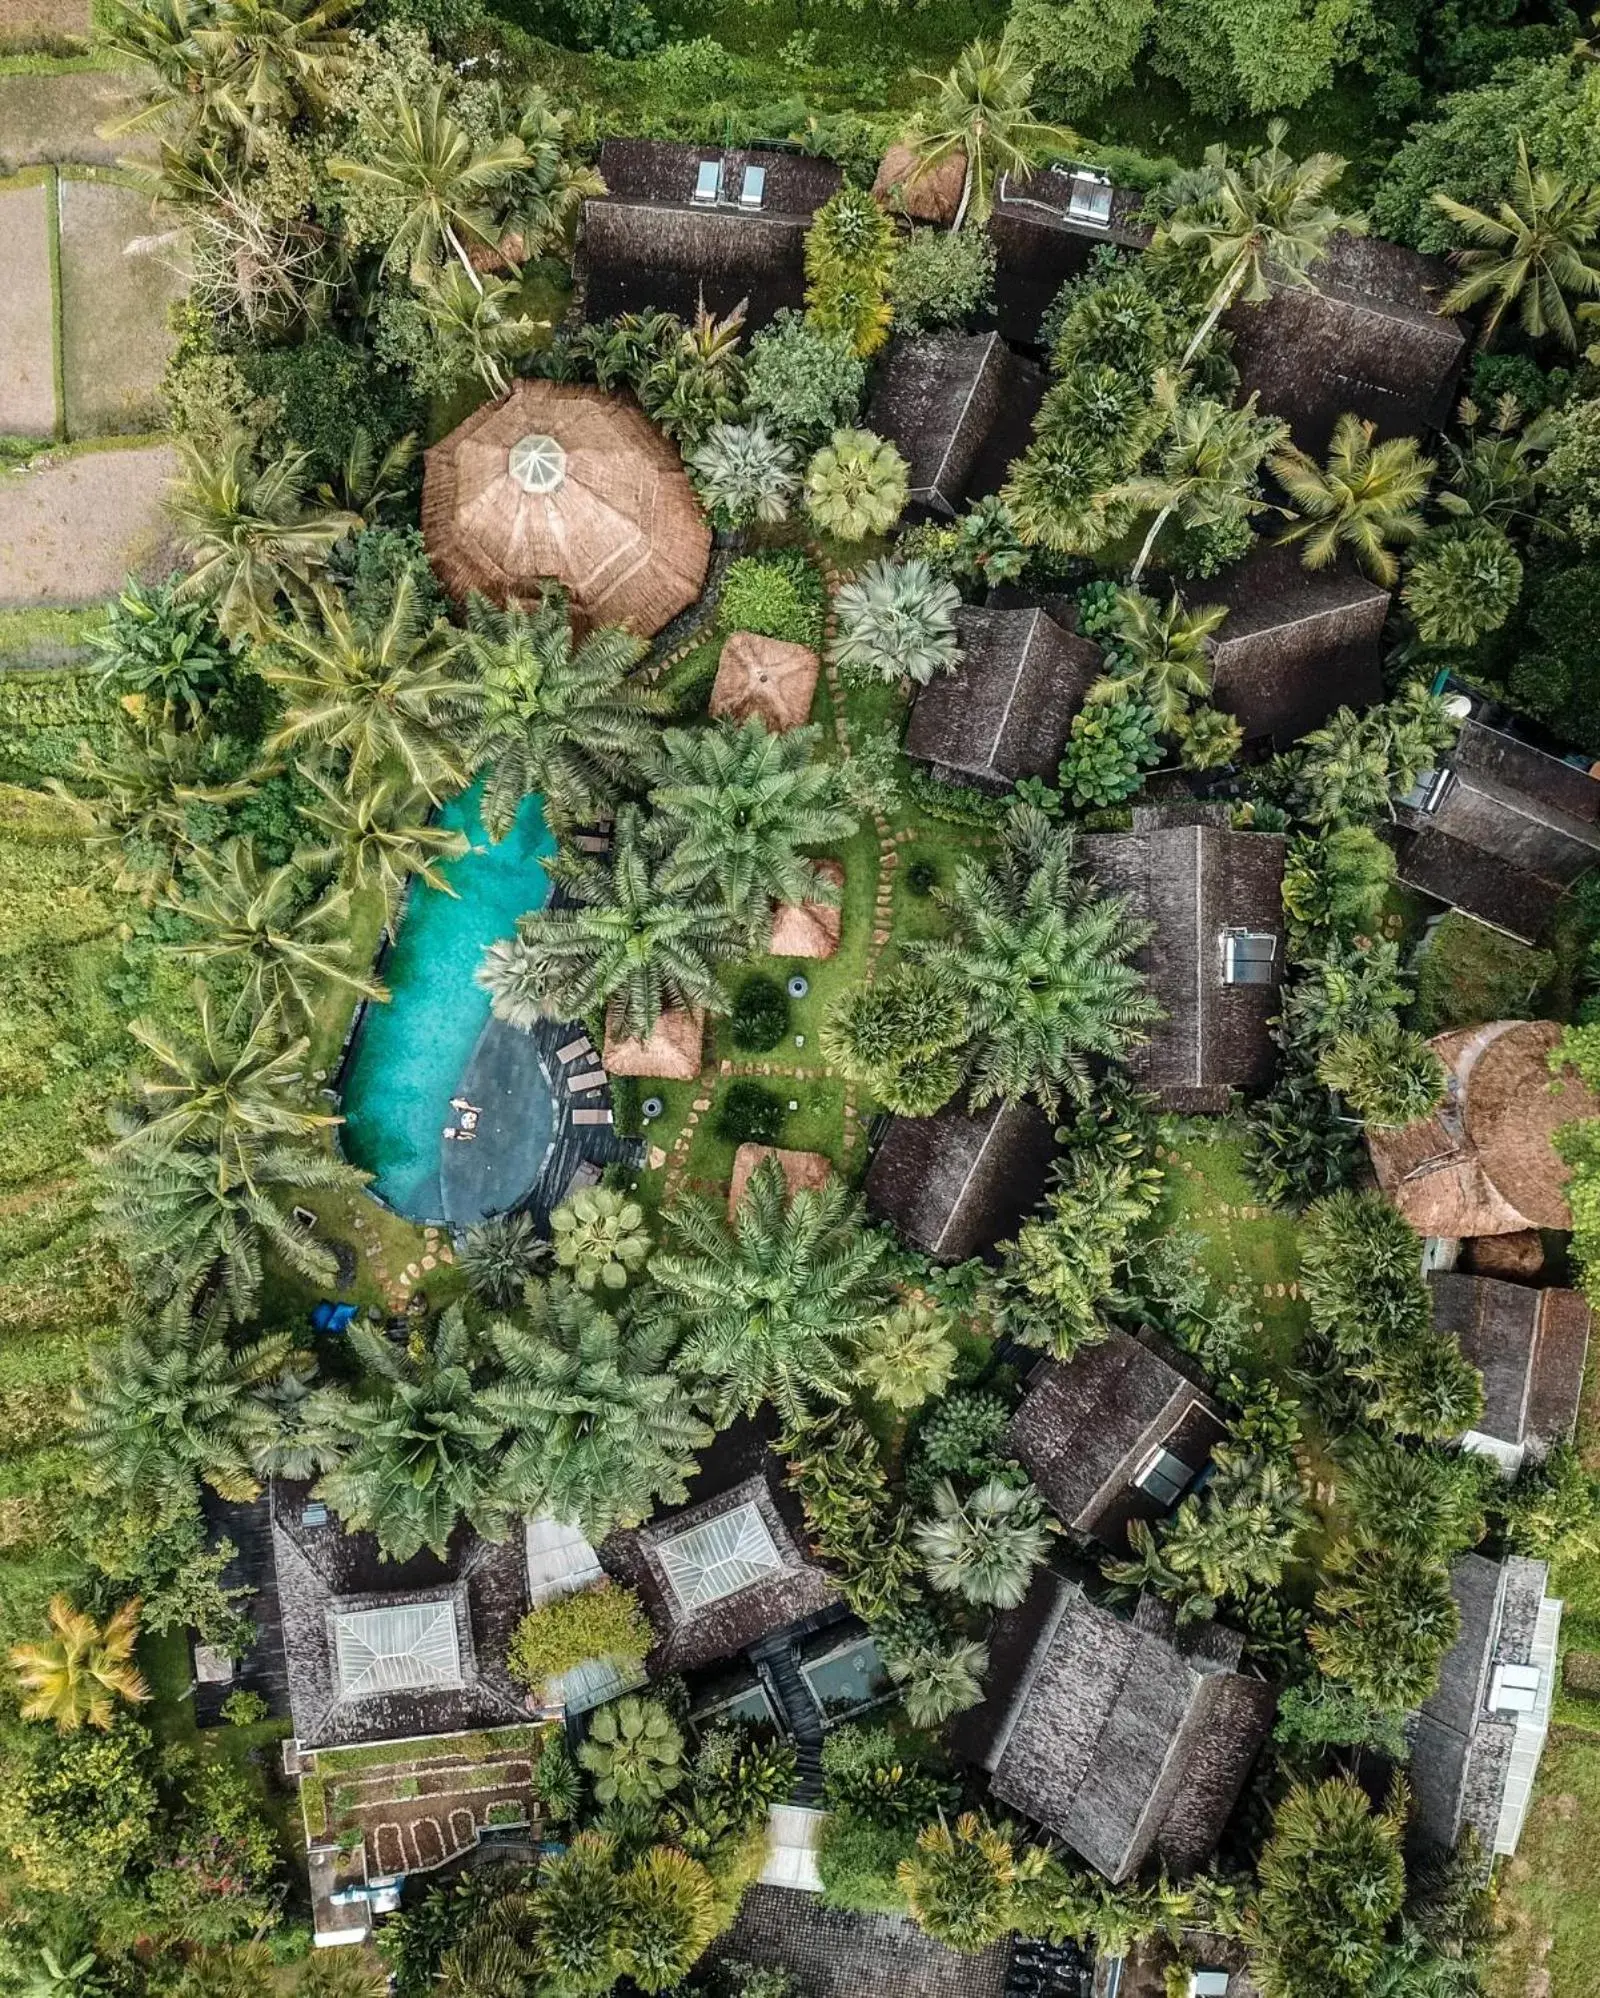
(1183, 871)
(645, 244)
(1086, 1428)
(1528, 1345)
(739, 1469)
(940, 397)
(1477, 883)
(955, 1184)
(1298, 643)
(1038, 245)
(1366, 339)
(1121, 1744)
(836, 1955)
(322, 1570)
(1006, 711)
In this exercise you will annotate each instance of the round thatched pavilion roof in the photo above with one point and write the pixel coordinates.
(566, 484)
(1514, 1107)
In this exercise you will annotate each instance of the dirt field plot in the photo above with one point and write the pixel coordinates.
(27, 391)
(56, 118)
(70, 531)
(27, 22)
(114, 309)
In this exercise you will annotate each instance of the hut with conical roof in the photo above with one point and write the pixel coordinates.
(555, 483)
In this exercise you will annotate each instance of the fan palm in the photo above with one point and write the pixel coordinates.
(259, 925)
(632, 942)
(248, 532)
(141, 821)
(739, 802)
(983, 113)
(1206, 465)
(422, 1451)
(1535, 252)
(383, 838)
(1160, 656)
(601, 1428)
(984, 1548)
(555, 717)
(1368, 498)
(440, 178)
(1265, 219)
(939, 1683)
(774, 1306)
(375, 697)
(78, 1673)
(1042, 963)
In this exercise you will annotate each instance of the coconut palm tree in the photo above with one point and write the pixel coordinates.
(1206, 465)
(76, 1676)
(600, 1426)
(1535, 252)
(1160, 656)
(1265, 219)
(633, 942)
(381, 838)
(375, 698)
(982, 112)
(422, 1450)
(445, 183)
(249, 533)
(478, 324)
(986, 1547)
(1385, 1620)
(259, 924)
(775, 1305)
(739, 803)
(1042, 963)
(1367, 498)
(555, 717)
(141, 822)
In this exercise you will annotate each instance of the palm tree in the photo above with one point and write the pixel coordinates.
(259, 924)
(1239, 1535)
(1386, 1619)
(632, 942)
(499, 1255)
(556, 718)
(983, 111)
(1333, 1877)
(1042, 963)
(143, 789)
(1206, 465)
(422, 1451)
(1160, 656)
(478, 325)
(553, 182)
(938, 1682)
(1265, 219)
(669, 1914)
(440, 178)
(248, 531)
(984, 1548)
(174, 1406)
(383, 838)
(773, 1307)
(1368, 498)
(1536, 250)
(1390, 1076)
(739, 802)
(908, 1356)
(961, 1882)
(601, 1428)
(82, 1669)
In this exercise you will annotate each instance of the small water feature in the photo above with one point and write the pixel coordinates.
(411, 1056)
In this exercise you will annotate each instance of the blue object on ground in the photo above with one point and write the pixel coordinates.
(330, 1317)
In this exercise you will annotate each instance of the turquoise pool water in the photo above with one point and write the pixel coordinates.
(410, 1055)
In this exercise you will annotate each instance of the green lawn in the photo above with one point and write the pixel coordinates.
(1549, 1910)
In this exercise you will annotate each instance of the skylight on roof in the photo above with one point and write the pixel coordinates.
(708, 184)
(403, 1647)
(719, 1557)
(1248, 957)
(1090, 200)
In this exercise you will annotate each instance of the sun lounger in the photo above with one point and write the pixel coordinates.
(591, 1116)
(573, 1049)
(592, 842)
(594, 1078)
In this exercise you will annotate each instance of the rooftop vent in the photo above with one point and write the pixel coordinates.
(313, 1513)
(1090, 199)
(708, 183)
(1248, 957)
(753, 189)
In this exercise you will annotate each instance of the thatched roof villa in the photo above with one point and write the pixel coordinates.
(1476, 1743)
(1118, 1433)
(1484, 1163)
(1366, 338)
(670, 1052)
(1529, 1345)
(771, 680)
(955, 1184)
(1215, 958)
(1126, 1738)
(1499, 829)
(958, 407)
(679, 223)
(1045, 229)
(829, 1953)
(1006, 711)
(564, 484)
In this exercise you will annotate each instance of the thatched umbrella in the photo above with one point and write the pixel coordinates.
(564, 484)
(809, 929)
(803, 1172)
(670, 1051)
(765, 677)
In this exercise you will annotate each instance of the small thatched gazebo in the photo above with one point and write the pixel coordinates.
(933, 195)
(670, 1052)
(809, 929)
(765, 677)
(565, 484)
(803, 1172)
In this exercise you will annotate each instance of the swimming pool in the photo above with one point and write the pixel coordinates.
(410, 1056)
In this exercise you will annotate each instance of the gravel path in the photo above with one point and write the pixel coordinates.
(27, 392)
(71, 530)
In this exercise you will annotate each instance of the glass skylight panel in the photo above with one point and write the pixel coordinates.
(719, 1558)
(403, 1647)
(753, 189)
(1248, 957)
(1090, 200)
(1164, 1476)
(708, 183)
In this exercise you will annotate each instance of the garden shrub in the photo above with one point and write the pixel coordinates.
(325, 391)
(805, 382)
(370, 568)
(961, 1437)
(955, 804)
(1520, 377)
(942, 277)
(776, 596)
(1467, 972)
(601, 1622)
(760, 1017)
(750, 1115)
(858, 1860)
(922, 877)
